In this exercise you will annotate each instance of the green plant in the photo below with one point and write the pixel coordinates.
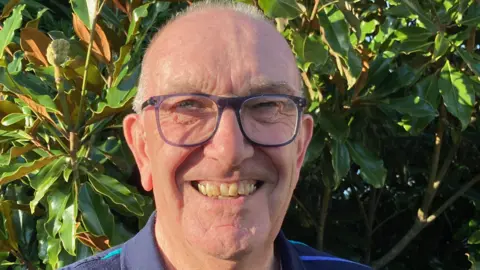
(393, 86)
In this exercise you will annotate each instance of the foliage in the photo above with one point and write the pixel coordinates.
(393, 87)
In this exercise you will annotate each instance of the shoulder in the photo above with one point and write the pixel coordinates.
(314, 259)
(108, 260)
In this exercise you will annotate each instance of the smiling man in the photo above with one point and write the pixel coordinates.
(219, 135)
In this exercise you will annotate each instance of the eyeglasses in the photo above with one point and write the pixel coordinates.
(269, 120)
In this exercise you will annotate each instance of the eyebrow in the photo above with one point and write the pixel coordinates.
(272, 88)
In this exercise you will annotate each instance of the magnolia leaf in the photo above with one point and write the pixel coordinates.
(13, 118)
(34, 23)
(43, 180)
(96, 214)
(470, 60)
(115, 190)
(85, 10)
(411, 105)
(14, 152)
(53, 250)
(69, 225)
(125, 54)
(415, 8)
(457, 93)
(7, 9)
(441, 46)
(101, 46)
(340, 160)
(6, 212)
(34, 43)
(9, 26)
(372, 170)
(18, 170)
(99, 243)
(412, 33)
(138, 14)
(57, 201)
(280, 8)
(334, 124)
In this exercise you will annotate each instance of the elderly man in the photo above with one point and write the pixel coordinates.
(220, 137)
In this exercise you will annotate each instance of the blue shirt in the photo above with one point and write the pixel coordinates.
(141, 253)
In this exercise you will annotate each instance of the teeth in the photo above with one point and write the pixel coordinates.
(225, 191)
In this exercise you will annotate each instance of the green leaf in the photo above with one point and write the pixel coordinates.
(474, 238)
(280, 8)
(85, 10)
(57, 201)
(44, 179)
(96, 214)
(13, 118)
(18, 170)
(372, 170)
(9, 26)
(412, 33)
(15, 66)
(457, 93)
(411, 105)
(309, 49)
(53, 250)
(115, 190)
(415, 8)
(334, 124)
(340, 160)
(470, 60)
(472, 16)
(68, 230)
(367, 28)
(138, 14)
(315, 148)
(441, 46)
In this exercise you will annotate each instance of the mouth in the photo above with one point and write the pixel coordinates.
(218, 190)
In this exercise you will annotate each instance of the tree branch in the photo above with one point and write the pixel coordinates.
(302, 206)
(323, 217)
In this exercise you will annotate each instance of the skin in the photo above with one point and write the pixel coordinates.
(224, 53)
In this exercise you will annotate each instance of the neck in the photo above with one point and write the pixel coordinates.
(179, 255)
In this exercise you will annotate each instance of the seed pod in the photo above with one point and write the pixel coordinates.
(57, 52)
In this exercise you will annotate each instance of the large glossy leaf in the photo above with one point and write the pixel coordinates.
(415, 8)
(9, 27)
(372, 169)
(34, 23)
(309, 49)
(412, 105)
(17, 170)
(457, 93)
(340, 160)
(14, 152)
(35, 43)
(334, 124)
(44, 179)
(115, 190)
(57, 201)
(138, 14)
(8, 226)
(53, 250)
(85, 10)
(96, 214)
(13, 118)
(280, 8)
(473, 64)
(101, 46)
(69, 225)
(441, 46)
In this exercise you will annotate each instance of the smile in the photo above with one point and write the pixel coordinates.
(233, 190)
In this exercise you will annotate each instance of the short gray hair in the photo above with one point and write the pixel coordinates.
(242, 8)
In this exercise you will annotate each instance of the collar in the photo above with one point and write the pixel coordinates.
(141, 252)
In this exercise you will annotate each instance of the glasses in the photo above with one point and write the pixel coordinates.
(192, 119)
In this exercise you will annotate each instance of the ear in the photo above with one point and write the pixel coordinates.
(134, 135)
(304, 137)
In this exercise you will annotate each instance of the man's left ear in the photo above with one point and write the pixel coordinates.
(304, 137)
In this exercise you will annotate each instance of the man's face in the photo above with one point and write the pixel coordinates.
(220, 53)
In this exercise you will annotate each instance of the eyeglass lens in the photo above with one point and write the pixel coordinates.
(188, 120)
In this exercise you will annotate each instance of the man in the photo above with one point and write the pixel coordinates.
(220, 137)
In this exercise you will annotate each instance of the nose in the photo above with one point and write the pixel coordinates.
(228, 146)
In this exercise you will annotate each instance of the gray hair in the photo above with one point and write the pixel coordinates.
(242, 8)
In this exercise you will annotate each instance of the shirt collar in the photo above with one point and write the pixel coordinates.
(141, 252)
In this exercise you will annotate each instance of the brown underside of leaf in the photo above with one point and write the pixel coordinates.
(120, 5)
(40, 163)
(7, 9)
(99, 243)
(41, 110)
(34, 43)
(101, 46)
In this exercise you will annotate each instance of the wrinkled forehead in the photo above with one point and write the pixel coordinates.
(219, 52)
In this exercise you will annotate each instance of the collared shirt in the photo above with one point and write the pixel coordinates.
(141, 253)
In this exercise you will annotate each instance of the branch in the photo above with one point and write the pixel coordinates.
(323, 217)
(388, 218)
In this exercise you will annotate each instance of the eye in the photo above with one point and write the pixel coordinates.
(266, 104)
(190, 104)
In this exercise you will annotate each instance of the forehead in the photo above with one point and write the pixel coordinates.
(220, 52)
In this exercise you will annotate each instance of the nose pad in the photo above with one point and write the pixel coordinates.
(228, 145)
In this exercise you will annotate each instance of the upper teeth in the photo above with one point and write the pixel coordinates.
(227, 190)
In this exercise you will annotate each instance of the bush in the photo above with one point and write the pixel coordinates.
(388, 179)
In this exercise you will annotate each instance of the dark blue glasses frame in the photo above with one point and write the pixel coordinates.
(223, 102)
